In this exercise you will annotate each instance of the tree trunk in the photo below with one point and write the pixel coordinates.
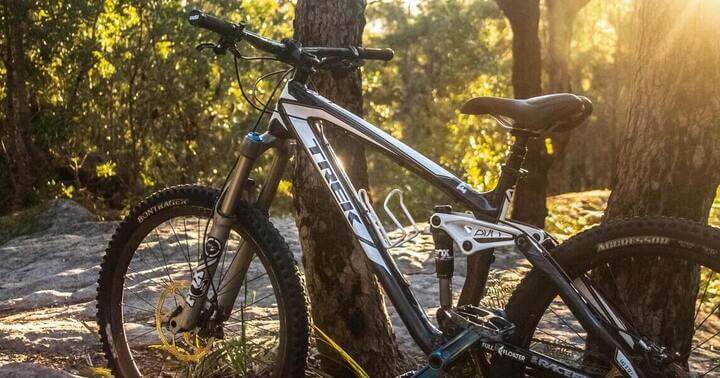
(17, 122)
(668, 163)
(524, 15)
(561, 15)
(346, 299)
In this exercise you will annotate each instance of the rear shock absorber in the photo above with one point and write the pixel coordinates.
(444, 259)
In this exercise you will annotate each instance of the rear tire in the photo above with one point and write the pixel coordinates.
(275, 258)
(538, 313)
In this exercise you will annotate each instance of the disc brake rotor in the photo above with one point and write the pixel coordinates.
(194, 348)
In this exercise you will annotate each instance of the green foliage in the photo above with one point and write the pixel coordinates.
(571, 213)
(121, 84)
(446, 53)
(126, 105)
(123, 104)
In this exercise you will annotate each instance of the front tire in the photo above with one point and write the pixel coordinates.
(128, 284)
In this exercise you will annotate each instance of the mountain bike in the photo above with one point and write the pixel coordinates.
(198, 282)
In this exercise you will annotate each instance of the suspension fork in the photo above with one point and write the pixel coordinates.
(240, 264)
(223, 218)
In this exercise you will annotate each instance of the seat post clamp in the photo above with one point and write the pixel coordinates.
(515, 173)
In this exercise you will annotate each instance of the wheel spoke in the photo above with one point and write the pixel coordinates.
(711, 370)
(254, 302)
(566, 323)
(246, 282)
(186, 251)
(702, 299)
(162, 254)
(223, 276)
(141, 335)
(707, 316)
(701, 344)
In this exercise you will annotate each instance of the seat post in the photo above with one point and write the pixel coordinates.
(512, 169)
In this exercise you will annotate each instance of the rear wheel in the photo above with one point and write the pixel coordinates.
(145, 275)
(546, 325)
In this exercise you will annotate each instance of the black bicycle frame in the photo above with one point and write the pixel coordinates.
(295, 118)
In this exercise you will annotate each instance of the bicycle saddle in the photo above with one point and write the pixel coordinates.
(553, 112)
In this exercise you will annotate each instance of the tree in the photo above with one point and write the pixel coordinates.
(524, 15)
(561, 15)
(346, 300)
(668, 161)
(15, 143)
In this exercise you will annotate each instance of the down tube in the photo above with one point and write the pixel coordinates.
(412, 314)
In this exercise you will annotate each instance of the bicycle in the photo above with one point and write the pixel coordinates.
(159, 308)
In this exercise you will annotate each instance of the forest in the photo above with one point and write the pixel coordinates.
(106, 104)
(113, 102)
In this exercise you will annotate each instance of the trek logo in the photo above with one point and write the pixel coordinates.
(332, 181)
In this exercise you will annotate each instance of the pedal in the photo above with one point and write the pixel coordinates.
(486, 323)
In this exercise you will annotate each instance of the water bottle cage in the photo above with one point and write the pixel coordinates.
(387, 241)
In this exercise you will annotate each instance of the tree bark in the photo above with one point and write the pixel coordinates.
(346, 299)
(524, 15)
(561, 15)
(668, 163)
(17, 121)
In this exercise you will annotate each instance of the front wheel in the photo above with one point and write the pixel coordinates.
(145, 276)
(661, 274)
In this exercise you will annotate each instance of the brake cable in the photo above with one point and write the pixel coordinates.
(257, 82)
(242, 89)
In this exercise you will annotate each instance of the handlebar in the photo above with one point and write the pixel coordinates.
(212, 23)
(351, 52)
(283, 50)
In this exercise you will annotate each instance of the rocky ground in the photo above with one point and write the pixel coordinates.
(47, 290)
(47, 283)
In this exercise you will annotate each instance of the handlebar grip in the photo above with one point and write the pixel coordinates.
(376, 54)
(212, 23)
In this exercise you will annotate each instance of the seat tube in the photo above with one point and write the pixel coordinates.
(511, 170)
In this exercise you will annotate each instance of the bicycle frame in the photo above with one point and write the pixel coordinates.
(295, 118)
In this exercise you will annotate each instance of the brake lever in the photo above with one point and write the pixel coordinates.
(219, 48)
(341, 68)
(204, 46)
